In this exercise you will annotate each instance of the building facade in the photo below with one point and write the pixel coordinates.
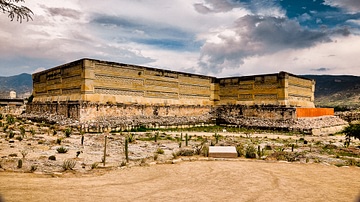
(95, 81)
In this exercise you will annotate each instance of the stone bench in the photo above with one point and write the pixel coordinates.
(222, 152)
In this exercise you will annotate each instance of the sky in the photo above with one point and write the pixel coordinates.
(221, 38)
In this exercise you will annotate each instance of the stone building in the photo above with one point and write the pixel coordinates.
(92, 90)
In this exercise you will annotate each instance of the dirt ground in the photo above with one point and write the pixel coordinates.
(230, 180)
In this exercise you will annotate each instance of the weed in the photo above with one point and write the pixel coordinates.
(62, 150)
(123, 163)
(156, 156)
(175, 155)
(20, 138)
(68, 164)
(22, 131)
(185, 152)
(68, 132)
(52, 157)
(10, 119)
(32, 131)
(58, 141)
(24, 153)
(240, 150)
(205, 150)
(250, 152)
(94, 165)
(11, 134)
(160, 151)
(33, 168)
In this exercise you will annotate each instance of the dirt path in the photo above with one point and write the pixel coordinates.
(192, 181)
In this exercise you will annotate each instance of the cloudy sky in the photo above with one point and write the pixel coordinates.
(211, 37)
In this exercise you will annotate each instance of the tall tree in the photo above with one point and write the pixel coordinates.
(14, 10)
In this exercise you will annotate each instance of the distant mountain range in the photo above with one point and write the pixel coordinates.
(330, 90)
(336, 90)
(21, 84)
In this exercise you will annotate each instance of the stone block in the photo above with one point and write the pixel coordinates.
(222, 152)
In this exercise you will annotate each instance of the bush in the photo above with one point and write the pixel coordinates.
(68, 132)
(68, 164)
(33, 168)
(160, 151)
(52, 157)
(11, 134)
(62, 150)
(58, 141)
(240, 150)
(10, 119)
(250, 152)
(20, 162)
(94, 165)
(185, 152)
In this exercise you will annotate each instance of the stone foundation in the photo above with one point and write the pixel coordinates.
(102, 117)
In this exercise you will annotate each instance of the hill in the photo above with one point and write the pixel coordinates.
(21, 83)
(334, 91)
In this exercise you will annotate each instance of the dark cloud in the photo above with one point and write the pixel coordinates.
(254, 35)
(321, 69)
(146, 32)
(65, 12)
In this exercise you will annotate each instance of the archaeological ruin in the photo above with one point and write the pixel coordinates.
(115, 95)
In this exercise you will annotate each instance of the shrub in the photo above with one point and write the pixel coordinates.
(24, 153)
(160, 151)
(205, 150)
(94, 165)
(22, 131)
(240, 150)
(20, 138)
(52, 157)
(185, 152)
(58, 141)
(250, 152)
(10, 119)
(68, 164)
(62, 150)
(123, 163)
(11, 134)
(33, 168)
(68, 132)
(32, 131)
(156, 156)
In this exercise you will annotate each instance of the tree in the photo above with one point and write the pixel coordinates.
(14, 10)
(353, 130)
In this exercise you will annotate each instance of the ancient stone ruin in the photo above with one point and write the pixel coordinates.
(106, 95)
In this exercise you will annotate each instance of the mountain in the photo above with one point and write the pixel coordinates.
(21, 84)
(335, 91)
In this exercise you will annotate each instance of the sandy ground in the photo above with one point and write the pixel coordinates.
(191, 181)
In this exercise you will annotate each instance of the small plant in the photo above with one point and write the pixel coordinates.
(52, 157)
(131, 138)
(94, 165)
(123, 163)
(11, 134)
(240, 150)
(20, 138)
(205, 150)
(68, 132)
(175, 155)
(156, 156)
(33, 168)
(68, 164)
(20, 162)
(10, 119)
(185, 152)
(24, 153)
(22, 131)
(186, 139)
(250, 152)
(54, 132)
(61, 150)
(160, 151)
(217, 138)
(58, 141)
(32, 131)
(78, 153)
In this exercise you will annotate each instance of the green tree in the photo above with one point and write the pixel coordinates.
(15, 10)
(353, 130)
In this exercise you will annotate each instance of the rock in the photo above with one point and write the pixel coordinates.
(11, 141)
